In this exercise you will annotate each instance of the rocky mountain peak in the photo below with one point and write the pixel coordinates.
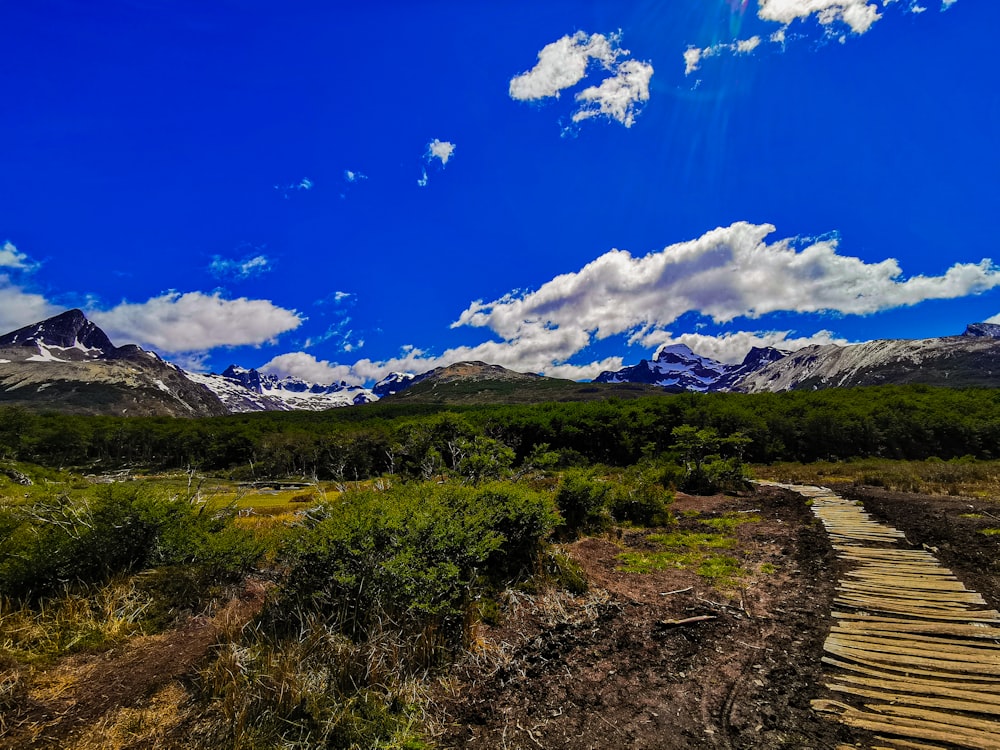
(982, 330)
(68, 330)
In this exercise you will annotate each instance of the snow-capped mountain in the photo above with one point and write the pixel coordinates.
(972, 359)
(677, 368)
(69, 364)
(395, 382)
(244, 390)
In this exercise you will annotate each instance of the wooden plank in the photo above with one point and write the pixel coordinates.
(903, 699)
(986, 647)
(917, 648)
(913, 592)
(922, 677)
(987, 616)
(852, 619)
(914, 662)
(944, 718)
(917, 729)
(920, 688)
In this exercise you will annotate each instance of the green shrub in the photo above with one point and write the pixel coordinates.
(581, 503)
(120, 528)
(410, 558)
(639, 499)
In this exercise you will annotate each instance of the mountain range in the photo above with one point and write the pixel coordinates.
(67, 363)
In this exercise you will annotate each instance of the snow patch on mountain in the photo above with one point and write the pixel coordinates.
(247, 390)
(677, 368)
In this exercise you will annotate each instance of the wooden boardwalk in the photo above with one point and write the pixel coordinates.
(913, 652)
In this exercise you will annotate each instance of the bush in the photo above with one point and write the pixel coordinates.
(410, 558)
(641, 500)
(581, 502)
(119, 529)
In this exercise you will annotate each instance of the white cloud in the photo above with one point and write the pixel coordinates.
(286, 190)
(11, 257)
(440, 150)
(693, 55)
(564, 63)
(733, 347)
(945, 4)
(194, 321)
(727, 273)
(422, 181)
(352, 176)
(20, 308)
(617, 97)
(859, 15)
(692, 60)
(239, 270)
(308, 368)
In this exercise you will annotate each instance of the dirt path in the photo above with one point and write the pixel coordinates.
(614, 669)
(77, 695)
(914, 653)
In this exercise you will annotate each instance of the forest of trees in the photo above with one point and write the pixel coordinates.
(911, 422)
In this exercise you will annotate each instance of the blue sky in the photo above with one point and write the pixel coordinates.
(337, 190)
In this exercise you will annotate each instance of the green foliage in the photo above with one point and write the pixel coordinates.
(419, 440)
(721, 570)
(564, 572)
(707, 469)
(411, 557)
(726, 524)
(638, 498)
(484, 458)
(581, 503)
(119, 528)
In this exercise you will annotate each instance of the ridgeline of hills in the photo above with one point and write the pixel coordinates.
(68, 364)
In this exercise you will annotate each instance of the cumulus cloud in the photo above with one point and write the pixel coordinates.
(617, 97)
(307, 367)
(19, 307)
(565, 62)
(436, 149)
(441, 150)
(351, 176)
(194, 321)
(239, 270)
(727, 273)
(562, 64)
(11, 257)
(859, 15)
(733, 346)
(513, 356)
(694, 55)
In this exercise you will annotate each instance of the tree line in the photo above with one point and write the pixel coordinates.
(905, 422)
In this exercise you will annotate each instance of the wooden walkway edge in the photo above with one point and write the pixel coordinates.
(914, 655)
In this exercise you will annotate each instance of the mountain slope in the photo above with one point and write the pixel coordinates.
(67, 363)
(972, 359)
(677, 369)
(481, 383)
(246, 390)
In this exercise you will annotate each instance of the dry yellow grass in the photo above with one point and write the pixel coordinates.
(148, 723)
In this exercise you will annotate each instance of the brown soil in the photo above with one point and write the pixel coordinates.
(625, 665)
(612, 669)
